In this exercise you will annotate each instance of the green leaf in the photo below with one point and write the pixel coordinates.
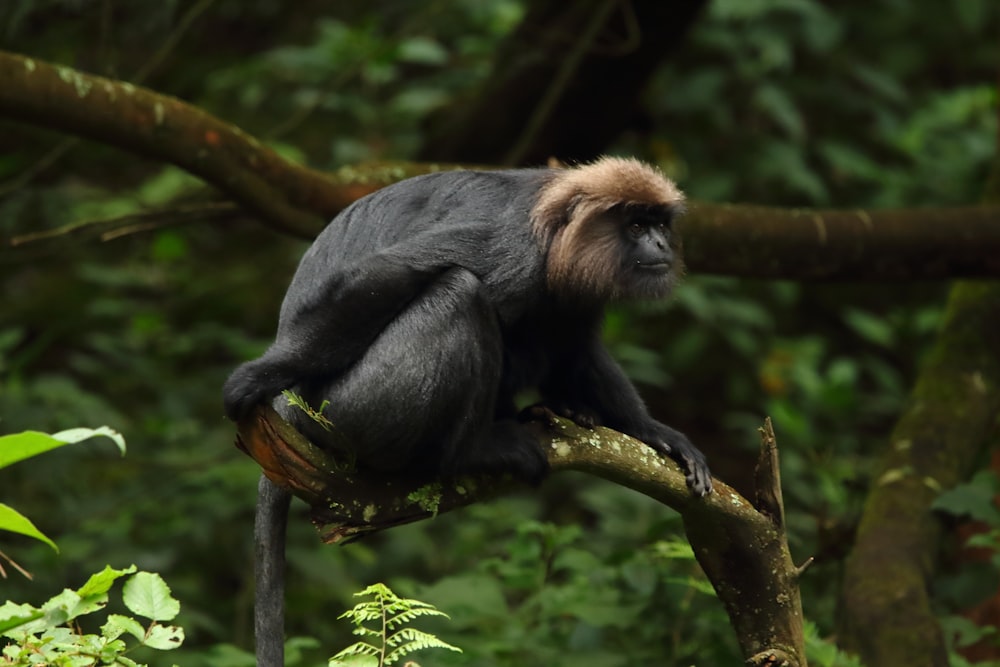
(19, 446)
(974, 499)
(166, 186)
(80, 434)
(357, 649)
(422, 50)
(13, 521)
(117, 625)
(100, 583)
(870, 327)
(408, 640)
(13, 616)
(353, 661)
(146, 594)
(780, 106)
(164, 637)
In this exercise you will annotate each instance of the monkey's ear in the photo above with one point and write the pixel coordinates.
(555, 163)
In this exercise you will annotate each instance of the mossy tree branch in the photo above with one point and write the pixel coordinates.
(741, 548)
(165, 128)
(745, 241)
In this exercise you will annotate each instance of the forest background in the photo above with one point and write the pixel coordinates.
(134, 322)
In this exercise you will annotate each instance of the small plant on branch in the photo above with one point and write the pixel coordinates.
(383, 622)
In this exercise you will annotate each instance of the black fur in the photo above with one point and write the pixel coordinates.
(421, 311)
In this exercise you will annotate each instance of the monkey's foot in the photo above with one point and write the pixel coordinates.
(548, 412)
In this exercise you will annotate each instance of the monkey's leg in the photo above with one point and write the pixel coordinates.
(269, 530)
(504, 446)
(327, 323)
(423, 397)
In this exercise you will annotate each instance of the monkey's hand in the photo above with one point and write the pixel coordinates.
(676, 445)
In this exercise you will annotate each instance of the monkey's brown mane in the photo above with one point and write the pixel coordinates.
(584, 248)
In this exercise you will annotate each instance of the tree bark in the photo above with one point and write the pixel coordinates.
(887, 617)
(165, 128)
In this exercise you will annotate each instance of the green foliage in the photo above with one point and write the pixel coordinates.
(375, 77)
(392, 638)
(974, 499)
(834, 113)
(19, 446)
(962, 588)
(962, 632)
(794, 102)
(546, 594)
(316, 414)
(822, 653)
(49, 634)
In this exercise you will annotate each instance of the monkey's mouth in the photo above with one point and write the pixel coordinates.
(654, 267)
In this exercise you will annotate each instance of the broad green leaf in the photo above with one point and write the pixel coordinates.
(100, 583)
(164, 637)
(148, 595)
(79, 434)
(117, 625)
(973, 498)
(19, 446)
(14, 616)
(67, 605)
(13, 521)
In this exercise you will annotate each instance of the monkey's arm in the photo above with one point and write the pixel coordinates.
(329, 322)
(591, 382)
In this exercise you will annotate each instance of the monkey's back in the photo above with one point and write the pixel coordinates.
(478, 220)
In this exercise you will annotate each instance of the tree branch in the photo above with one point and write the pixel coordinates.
(165, 128)
(743, 551)
(831, 244)
(735, 240)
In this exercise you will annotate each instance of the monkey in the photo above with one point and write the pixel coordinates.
(423, 309)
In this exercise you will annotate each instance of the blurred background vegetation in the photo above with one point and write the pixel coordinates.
(878, 103)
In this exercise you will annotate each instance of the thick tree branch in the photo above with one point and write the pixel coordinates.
(830, 244)
(165, 128)
(736, 240)
(743, 550)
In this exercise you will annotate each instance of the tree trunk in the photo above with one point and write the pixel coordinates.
(886, 613)
(565, 82)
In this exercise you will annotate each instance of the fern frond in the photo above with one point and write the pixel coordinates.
(316, 415)
(360, 648)
(410, 614)
(366, 611)
(388, 611)
(408, 640)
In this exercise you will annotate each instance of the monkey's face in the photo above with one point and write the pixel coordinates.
(629, 251)
(649, 251)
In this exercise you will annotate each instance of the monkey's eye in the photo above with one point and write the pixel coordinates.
(636, 230)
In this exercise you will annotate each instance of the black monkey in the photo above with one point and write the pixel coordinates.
(423, 308)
